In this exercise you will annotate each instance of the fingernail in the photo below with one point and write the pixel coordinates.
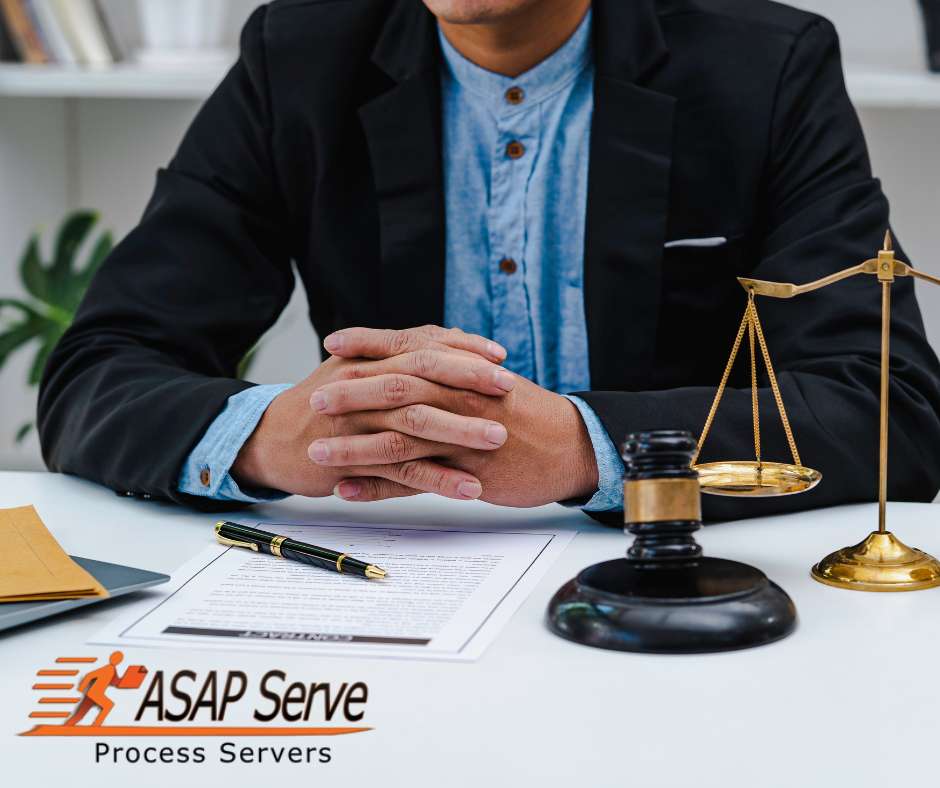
(496, 434)
(347, 490)
(495, 350)
(319, 401)
(470, 489)
(319, 451)
(333, 343)
(504, 380)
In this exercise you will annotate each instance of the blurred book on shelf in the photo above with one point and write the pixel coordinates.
(107, 30)
(61, 32)
(154, 34)
(82, 25)
(8, 53)
(49, 22)
(22, 29)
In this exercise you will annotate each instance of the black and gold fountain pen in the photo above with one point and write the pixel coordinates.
(237, 535)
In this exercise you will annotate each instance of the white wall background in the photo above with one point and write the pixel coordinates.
(61, 154)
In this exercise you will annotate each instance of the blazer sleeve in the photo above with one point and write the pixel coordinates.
(824, 212)
(150, 359)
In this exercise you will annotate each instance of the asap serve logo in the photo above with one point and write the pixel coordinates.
(77, 695)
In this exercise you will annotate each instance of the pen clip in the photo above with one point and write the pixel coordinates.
(235, 543)
(232, 542)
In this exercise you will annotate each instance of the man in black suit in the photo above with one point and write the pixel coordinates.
(719, 143)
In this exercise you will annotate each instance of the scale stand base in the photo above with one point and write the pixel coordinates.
(683, 607)
(881, 562)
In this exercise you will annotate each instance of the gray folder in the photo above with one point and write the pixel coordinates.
(117, 579)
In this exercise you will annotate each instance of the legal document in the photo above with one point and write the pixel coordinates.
(446, 595)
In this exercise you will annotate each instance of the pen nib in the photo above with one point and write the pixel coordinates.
(374, 573)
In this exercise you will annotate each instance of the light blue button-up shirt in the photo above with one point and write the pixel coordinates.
(515, 177)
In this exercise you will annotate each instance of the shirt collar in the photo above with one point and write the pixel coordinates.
(538, 83)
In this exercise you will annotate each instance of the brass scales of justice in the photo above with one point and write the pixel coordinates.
(881, 562)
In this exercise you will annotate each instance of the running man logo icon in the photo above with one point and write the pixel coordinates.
(95, 684)
(93, 688)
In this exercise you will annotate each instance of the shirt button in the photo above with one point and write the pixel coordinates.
(515, 150)
(508, 266)
(205, 477)
(515, 95)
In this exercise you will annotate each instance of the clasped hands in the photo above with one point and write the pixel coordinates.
(397, 413)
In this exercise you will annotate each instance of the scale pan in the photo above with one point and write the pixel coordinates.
(747, 478)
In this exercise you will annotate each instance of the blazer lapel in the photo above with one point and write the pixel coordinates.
(628, 195)
(403, 133)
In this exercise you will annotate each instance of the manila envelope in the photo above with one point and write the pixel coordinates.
(34, 567)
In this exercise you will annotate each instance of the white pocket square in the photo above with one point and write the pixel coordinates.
(701, 243)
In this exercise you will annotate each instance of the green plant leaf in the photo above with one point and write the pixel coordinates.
(39, 363)
(57, 289)
(18, 335)
(23, 431)
(22, 306)
(51, 335)
(61, 285)
(72, 233)
(35, 277)
(33, 326)
(64, 290)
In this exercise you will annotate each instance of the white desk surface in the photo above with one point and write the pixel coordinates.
(850, 699)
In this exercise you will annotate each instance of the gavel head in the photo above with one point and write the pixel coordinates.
(659, 454)
(661, 495)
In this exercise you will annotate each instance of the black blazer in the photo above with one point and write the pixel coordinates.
(322, 146)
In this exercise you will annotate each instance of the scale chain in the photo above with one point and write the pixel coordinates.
(775, 388)
(754, 403)
(721, 386)
(751, 322)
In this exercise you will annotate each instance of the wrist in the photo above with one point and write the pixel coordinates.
(581, 472)
(252, 466)
(248, 468)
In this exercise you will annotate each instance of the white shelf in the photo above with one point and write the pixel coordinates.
(892, 88)
(868, 86)
(121, 81)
